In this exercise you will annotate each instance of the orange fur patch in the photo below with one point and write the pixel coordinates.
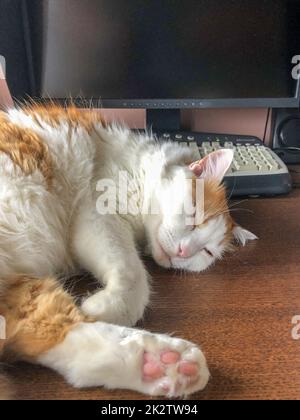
(53, 115)
(25, 149)
(39, 314)
(215, 203)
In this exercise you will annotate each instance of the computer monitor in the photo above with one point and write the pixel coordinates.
(163, 54)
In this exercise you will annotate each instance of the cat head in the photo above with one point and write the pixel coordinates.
(179, 236)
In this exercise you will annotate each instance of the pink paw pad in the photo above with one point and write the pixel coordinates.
(188, 368)
(170, 357)
(155, 365)
(153, 370)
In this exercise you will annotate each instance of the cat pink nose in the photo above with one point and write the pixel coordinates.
(182, 252)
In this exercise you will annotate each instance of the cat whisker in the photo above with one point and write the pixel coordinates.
(231, 210)
(241, 209)
(232, 189)
(237, 203)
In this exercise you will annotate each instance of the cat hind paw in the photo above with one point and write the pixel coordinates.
(173, 371)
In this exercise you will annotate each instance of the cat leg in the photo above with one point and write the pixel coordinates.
(116, 357)
(38, 314)
(44, 326)
(105, 246)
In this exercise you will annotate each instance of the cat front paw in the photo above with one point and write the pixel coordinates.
(112, 308)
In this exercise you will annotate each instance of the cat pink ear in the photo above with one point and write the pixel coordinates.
(215, 165)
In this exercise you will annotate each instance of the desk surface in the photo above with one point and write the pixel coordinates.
(240, 312)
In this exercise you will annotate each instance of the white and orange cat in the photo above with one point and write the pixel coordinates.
(51, 161)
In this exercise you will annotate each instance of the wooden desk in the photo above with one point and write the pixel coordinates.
(240, 311)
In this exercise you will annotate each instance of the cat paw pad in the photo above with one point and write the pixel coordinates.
(173, 373)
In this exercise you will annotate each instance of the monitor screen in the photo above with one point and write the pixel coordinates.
(137, 52)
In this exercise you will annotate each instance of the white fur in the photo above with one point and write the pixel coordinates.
(44, 232)
(243, 236)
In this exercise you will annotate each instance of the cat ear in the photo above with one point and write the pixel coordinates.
(215, 165)
(242, 235)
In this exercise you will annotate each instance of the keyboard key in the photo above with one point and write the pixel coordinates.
(248, 168)
(235, 166)
(208, 150)
(263, 168)
(195, 148)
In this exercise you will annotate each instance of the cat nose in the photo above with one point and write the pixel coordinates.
(182, 251)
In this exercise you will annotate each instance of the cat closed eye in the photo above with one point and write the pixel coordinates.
(208, 252)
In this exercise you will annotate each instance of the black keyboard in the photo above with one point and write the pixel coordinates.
(256, 169)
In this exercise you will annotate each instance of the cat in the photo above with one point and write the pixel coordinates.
(53, 163)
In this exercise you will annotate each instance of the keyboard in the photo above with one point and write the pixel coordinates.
(256, 169)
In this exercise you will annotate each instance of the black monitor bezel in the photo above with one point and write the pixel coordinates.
(292, 102)
(178, 104)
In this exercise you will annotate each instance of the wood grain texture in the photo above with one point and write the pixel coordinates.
(239, 311)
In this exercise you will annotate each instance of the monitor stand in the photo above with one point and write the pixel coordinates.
(160, 120)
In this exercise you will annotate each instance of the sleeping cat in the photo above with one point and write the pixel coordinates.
(52, 163)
